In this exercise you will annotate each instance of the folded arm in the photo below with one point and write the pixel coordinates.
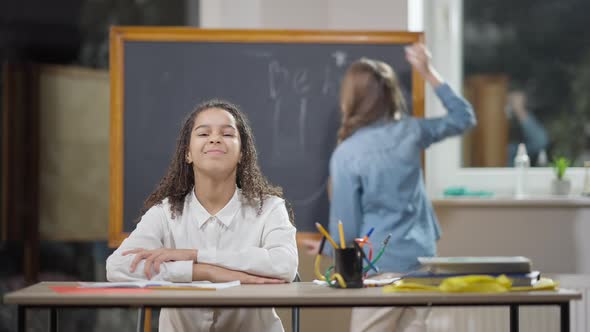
(276, 258)
(148, 236)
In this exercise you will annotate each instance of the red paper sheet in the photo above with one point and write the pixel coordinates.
(80, 290)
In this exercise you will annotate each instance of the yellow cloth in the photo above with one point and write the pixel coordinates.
(471, 284)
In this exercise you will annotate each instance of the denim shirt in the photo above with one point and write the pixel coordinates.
(377, 182)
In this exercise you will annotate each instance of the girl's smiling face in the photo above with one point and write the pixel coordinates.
(214, 143)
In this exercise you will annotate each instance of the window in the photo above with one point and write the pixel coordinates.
(526, 68)
(448, 163)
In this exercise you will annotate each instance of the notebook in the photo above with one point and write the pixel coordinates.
(477, 265)
(435, 279)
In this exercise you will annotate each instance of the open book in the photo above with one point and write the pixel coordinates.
(205, 285)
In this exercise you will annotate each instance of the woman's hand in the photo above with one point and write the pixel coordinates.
(158, 256)
(215, 273)
(419, 57)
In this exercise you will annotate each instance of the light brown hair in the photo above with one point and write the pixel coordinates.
(370, 92)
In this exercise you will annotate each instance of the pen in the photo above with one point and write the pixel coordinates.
(326, 234)
(382, 249)
(370, 265)
(341, 231)
(386, 240)
(322, 244)
(366, 238)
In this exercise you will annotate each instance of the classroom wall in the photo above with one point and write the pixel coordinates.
(305, 14)
(556, 239)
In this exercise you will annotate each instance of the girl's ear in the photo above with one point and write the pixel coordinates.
(188, 158)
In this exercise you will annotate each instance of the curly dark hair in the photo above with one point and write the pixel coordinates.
(180, 179)
(370, 91)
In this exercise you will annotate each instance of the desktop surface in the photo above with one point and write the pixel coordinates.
(302, 294)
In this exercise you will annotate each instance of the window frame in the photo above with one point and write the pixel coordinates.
(443, 20)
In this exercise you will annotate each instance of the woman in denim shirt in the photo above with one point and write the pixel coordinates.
(377, 177)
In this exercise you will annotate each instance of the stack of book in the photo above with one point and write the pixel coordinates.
(435, 269)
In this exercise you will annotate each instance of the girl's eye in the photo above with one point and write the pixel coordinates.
(228, 135)
(202, 134)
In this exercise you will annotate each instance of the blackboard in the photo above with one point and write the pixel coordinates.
(287, 82)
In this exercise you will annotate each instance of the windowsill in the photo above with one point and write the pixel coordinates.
(572, 201)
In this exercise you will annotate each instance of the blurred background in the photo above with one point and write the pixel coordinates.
(526, 69)
(55, 121)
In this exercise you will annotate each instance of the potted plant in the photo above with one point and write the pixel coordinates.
(561, 185)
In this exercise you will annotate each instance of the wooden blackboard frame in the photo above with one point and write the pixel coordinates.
(120, 35)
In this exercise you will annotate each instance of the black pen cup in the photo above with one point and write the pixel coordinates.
(348, 262)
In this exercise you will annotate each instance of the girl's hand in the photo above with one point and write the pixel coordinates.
(215, 273)
(158, 256)
(419, 57)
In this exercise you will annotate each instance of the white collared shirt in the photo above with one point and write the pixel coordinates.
(236, 238)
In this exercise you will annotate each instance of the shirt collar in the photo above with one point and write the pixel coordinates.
(225, 215)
